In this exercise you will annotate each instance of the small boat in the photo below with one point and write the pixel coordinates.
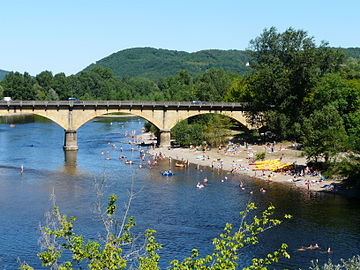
(167, 173)
(180, 165)
(129, 162)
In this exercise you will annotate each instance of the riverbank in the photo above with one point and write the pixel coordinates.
(237, 162)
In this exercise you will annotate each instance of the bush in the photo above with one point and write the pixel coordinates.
(260, 156)
(350, 264)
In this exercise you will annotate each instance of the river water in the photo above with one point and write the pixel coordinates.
(185, 217)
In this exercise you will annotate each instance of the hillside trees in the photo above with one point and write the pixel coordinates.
(212, 85)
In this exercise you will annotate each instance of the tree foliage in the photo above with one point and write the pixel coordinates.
(324, 134)
(287, 66)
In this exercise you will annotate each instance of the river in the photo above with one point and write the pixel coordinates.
(185, 217)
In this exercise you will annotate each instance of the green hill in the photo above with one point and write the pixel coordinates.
(3, 73)
(353, 52)
(156, 63)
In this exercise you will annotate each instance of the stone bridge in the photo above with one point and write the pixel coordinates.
(71, 115)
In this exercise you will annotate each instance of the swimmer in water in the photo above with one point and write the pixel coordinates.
(301, 249)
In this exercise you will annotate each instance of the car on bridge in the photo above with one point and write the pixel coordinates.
(196, 102)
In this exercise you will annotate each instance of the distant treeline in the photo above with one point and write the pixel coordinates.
(99, 83)
(3, 73)
(314, 92)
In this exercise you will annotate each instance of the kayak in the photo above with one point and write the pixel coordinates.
(180, 165)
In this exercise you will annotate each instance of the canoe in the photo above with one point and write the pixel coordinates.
(180, 165)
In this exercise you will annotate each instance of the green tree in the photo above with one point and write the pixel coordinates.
(52, 95)
(19, 86)
(44, 79)
(1, 91)
(240, 89)
(62, 86)
(333, 89)
(324, 134)
(351, 68)
(212, 85)
(287, 65)
(188, 134)
(217, 130)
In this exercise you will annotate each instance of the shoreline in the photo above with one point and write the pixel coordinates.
(238, 162)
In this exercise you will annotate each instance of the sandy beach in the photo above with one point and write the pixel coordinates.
(238, 163)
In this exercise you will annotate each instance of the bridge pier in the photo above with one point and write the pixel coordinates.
(70, 140)
(164, 138)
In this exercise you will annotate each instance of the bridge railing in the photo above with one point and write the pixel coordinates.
(123, 103)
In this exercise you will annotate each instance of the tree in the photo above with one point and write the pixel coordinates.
(240, 89)
(44, 79)
(62, 86)
(324, 134)
(217, 130)
(187, 134)
(212, 85)
(19, 86)
(333, 89)
(52, 95)
(1, 91)
(287, 65)
(351, 68)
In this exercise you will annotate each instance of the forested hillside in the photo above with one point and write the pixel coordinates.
(3, 73)
(353, 52)
(157, 63)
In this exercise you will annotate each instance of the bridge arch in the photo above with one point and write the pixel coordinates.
(60, 118)
(82, 117)
(238, 116)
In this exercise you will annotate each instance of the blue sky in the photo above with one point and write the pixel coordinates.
(66, 36)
